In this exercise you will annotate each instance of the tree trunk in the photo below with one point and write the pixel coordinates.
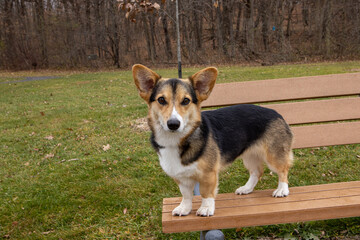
(238, 18)
(290, 12)
(168, 51)
(265, 24)
(326, 28)
(39, 6)
(249, 18)
(219, 31)
(279, 13)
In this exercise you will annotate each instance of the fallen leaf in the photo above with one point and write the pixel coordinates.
(106, 147)
(125, 210)
(27, 164)
(301, 153)
(46, 233)
(50, 155)
(73, 159)
(42, 113)
(49, 137)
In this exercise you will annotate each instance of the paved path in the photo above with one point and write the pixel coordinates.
(27, 79)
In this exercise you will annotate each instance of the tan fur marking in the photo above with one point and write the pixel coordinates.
(204, 81)
(277, 144)
(209, 166)
(145, 80)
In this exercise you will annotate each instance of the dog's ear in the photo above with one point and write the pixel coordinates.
(145, 80)
(204, 81)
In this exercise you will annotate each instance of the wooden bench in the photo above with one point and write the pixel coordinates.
(315, 123)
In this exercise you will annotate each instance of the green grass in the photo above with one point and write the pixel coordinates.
(57, 181)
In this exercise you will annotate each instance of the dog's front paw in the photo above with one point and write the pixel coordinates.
(207, 207)
(243, 190)
(282, 190)
(181, 210)
(205, 211)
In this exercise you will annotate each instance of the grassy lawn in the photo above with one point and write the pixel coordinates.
(73, 166)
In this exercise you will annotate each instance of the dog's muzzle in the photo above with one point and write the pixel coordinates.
(173, 124)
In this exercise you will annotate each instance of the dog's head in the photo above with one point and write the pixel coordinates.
(174, 104)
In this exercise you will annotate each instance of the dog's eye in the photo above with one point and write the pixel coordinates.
(162, 100)
(186, 101)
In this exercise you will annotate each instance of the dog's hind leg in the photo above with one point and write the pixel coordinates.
(280, 165)
(253, 160)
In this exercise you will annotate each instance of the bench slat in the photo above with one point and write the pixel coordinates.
(319, 111)
(297, 207)
(265, 193)
(284, 89)
(326, 134)
(237, 201)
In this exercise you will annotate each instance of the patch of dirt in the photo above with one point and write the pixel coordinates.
(141, 125)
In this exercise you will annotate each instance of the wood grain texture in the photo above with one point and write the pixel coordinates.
(303, 204)
(319, 110)
(284, 89)
(326, 134)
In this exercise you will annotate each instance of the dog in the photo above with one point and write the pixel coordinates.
(193, 146)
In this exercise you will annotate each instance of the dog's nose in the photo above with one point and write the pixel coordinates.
(173, 124)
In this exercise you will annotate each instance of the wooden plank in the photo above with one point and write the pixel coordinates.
(239, 201)
(310, 205)
(265, 193)
(286, 213)
(284, 89)
(319, 111)
(326, 134)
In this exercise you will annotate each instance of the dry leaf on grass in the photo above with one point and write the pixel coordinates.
(106, 147)
(49, 137)
(50, 155)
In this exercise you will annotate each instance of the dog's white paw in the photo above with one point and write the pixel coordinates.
(182, 210)
(243, 190)
(282, 190)
(207, 207)
(205, 211)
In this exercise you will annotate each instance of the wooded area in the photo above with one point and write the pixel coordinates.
(97, 33)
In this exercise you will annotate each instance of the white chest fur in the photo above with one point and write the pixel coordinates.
(170, 162)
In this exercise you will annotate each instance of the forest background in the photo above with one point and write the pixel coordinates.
(68, 34)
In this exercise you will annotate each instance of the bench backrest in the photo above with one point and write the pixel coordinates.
(310, 100)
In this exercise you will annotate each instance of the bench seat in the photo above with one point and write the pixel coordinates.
(307, 203)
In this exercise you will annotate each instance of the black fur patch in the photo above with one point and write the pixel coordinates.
(237, 127)
(155, 145)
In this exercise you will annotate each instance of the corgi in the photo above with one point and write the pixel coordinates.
(193, 146)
